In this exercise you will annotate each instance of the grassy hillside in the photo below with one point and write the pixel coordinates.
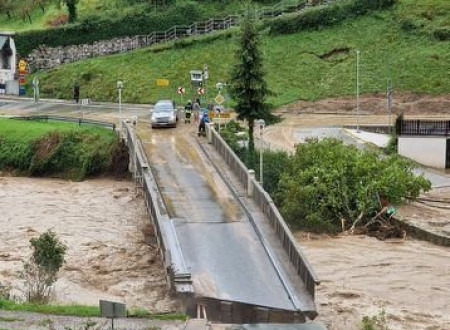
(104, 9)
(309, 65)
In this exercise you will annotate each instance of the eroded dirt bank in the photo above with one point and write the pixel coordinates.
(361, 276)
(104, 225)
(406, 102)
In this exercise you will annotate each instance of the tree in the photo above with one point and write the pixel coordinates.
(6, 6)
(248, 86)
(40, 272)
(326, 182)
(72, 9)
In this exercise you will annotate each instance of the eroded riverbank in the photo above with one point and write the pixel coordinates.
(105, 226)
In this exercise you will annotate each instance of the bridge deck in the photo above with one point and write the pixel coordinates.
(221, 248)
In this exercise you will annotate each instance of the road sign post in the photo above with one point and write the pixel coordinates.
(181, 91)
(36, 89)
(112, 310)
(219, 100)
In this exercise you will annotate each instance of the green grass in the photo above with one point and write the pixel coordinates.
(81, 310)
(63, 150)
(111, 8)
(10, 319)
(21, 130)
(68, 310)
(413, 60)
(142, 313)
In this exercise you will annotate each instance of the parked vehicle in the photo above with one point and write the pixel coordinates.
(165, 114)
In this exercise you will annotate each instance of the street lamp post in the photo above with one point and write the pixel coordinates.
(261, 123)
(389, 91)
(205, 78)
(119, 90)
(357, 90)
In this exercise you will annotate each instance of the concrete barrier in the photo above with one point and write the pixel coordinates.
(266, 204)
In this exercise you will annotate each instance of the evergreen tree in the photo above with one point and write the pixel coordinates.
(72, 9)
(248, 86)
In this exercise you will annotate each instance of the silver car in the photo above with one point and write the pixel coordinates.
(164, 114)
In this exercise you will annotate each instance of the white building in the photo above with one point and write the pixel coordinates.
(8, 55)
(426, 142)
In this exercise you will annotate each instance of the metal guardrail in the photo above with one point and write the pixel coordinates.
(171, 253)
(265, 202)
(174, 33)
(79, 121)
(424, 127)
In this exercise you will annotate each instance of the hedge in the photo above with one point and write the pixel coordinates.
(317, 17)
(96, 28)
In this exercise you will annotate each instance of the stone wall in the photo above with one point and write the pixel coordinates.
(49, 57)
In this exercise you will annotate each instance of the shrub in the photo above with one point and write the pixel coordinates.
(327, 182)
(318, 17)
(93, 28)
(40, 272)
(442, 34)
(408, 25)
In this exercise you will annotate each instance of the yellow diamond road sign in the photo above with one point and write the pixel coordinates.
(219, 99)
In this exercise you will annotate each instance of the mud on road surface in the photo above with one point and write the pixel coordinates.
(106, 229)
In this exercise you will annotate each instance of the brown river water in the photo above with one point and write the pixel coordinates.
(104, 224)
(407, 281)
(106, 229)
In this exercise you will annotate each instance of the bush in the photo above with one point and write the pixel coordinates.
(94, 28)
(442, 34)
(71, 154)
(318, 17)
(326, 182)
(61, 19)
(408, 25)
(41, 271)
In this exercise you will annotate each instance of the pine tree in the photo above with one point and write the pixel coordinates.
(248, 86)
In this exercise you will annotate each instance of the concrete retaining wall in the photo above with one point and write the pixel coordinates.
(426, 150)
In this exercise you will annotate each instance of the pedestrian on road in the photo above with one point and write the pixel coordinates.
(203, 121)
(76, 93)
(196, 108)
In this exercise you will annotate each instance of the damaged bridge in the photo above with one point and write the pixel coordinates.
(224, 243)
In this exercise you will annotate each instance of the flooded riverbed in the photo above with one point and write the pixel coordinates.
(408, 281)
(105, 227)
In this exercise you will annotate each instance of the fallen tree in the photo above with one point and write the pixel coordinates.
(329, 186)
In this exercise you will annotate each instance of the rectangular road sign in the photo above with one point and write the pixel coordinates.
(162, 82)
(213, 114)
(112, 309)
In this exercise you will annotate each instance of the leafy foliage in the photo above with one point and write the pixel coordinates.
(274, 162)
(66, 151)
(41, 271)
(326, 182)
(318, 17)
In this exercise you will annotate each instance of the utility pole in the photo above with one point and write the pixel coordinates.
(261, 123)
(357, 90)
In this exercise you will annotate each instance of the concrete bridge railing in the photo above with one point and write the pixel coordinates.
(265, 202)
(178, 274)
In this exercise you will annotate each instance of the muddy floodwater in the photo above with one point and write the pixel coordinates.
(105, 227)
(407, 281)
